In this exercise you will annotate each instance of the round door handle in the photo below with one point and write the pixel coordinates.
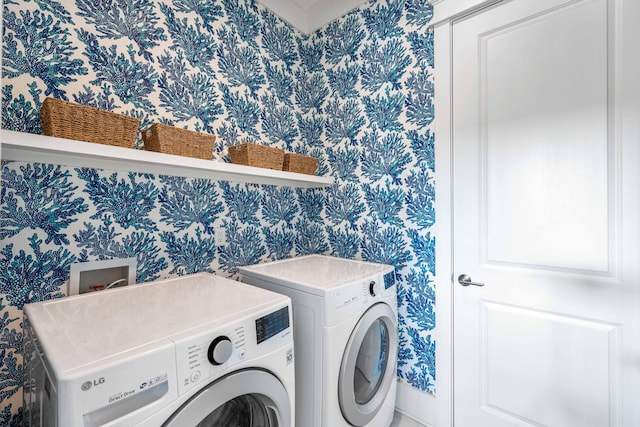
(465, 280)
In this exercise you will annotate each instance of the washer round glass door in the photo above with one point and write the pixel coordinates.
(249, 398)
(368, 365)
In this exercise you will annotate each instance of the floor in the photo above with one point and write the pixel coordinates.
(400, 420)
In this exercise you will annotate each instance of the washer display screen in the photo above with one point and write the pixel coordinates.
(272, 324)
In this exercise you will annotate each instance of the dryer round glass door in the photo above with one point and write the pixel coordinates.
(248, 398)
(368, 365)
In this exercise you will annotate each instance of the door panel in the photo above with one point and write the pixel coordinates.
(545, 216)
(533, 89)
(552, 390)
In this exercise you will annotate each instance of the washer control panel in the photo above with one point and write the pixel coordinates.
(197, 357)
(217, 349)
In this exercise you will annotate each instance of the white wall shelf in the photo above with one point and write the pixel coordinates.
(27, 147)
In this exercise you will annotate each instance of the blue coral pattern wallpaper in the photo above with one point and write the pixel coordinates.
(357, 94)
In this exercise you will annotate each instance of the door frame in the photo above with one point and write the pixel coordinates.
(443, 226)
(445, 12)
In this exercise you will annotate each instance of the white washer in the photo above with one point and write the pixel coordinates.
(345, 334)
(190, 351)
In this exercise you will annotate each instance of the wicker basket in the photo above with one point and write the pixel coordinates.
(298, 163)
(257, 155)
(68, 120)
(182, 142)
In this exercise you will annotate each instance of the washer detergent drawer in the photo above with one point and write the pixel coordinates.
(121, 393)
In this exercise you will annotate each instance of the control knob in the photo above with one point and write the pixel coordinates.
(220, 350)
(374, 288)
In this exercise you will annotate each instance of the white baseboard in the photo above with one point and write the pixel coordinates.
(416, 404)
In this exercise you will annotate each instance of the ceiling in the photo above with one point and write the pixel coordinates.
(310, 15)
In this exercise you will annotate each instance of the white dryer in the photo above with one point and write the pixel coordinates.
(345, 335)
(197, 350)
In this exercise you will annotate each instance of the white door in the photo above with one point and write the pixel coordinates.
(546, 161)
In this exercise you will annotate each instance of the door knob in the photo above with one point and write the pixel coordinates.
(465, 280)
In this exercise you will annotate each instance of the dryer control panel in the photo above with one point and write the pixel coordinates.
(389, 279)
(343, 302)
